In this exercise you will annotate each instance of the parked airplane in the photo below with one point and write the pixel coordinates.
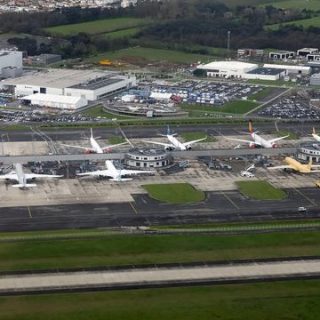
(258, 141)
(95, 147)
(22, 178)
(114, 173)
(297, 166)
(174, 142)
(315, 135)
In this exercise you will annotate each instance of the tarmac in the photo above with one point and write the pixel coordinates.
(158, 276)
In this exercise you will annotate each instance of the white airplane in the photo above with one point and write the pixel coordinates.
(95, 147)
(174, 142)
(258, 141)
(315, 135)
(22, 178)
(114, 173)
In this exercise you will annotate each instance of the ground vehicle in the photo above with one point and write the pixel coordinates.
(302, 209)
(246, 174)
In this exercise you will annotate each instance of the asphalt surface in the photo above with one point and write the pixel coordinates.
(228, 206)
(58, 134)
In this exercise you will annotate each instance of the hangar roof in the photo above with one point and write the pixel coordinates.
(228, 65)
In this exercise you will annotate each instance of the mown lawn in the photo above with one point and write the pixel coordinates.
(294, 300)
(174, 192)
(260, 190)
(195, 135)
(98, 26)
(110, 250)
(152, 54)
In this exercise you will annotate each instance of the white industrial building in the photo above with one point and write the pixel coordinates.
(227, 69)
(241, 70)
(290, 69)
(89, 84)
(10, 63)
(55, 101)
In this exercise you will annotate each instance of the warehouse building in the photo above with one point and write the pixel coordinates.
(55, 101)
(305, 51)
(227, 69)
(290, 69)
(10, 64)
(315, 79)
(88, 84)
(281, 55)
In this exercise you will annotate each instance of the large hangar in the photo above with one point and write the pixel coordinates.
(88, 84)
(227, 69)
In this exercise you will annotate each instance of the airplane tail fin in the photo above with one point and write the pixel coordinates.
(313, 130)
(250, 126)
(27, 185)
(91, 132)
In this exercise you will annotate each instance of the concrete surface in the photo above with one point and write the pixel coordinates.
(157, 276)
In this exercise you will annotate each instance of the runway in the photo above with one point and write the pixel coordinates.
(158, 276)
(228, 206)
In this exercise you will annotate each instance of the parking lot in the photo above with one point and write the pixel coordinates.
(293, 107)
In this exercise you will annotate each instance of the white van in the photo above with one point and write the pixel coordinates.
(246, 174)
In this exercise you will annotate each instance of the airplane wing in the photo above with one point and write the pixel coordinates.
(125, 172)
(11, 176)
(104, 173)
(188, 143)
(166, 145)
(285, 166)
(278, 139)
(107, 148)
(77, 147)
(242, 140)
(39, 176)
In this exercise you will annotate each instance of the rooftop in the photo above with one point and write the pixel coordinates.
(267, 71)
(147, 151)
(57, 78)
(52, 98)
(97, 83)
(238, 65)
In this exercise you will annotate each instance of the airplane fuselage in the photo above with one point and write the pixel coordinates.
(177, 144)
(20, 174)
(316, 137)
(261, 141)
(95, 146)
(297, 166)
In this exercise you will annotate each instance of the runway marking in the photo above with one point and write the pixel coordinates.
(29, 211)
(133, 208)
(307, 198)
(230, 200)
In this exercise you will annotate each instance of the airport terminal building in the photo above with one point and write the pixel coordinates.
(309, 151)
(147, 158)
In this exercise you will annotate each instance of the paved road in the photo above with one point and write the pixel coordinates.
(159, 276)
(177, 154)
(228, 206)
(302, 128)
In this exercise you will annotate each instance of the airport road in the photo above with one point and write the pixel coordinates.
(191, 154)
(159, 276)
(58, 134)
(227, 206)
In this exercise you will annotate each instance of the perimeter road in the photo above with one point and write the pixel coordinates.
(178, 154)
(159, 276)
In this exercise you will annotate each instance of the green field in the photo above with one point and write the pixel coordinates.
(297, 4)
(174, 193)
(151, 54)
(235, 107)
(98, 26)
(98, 111)
(188, 136)
(260, 190)
(292, 135)
(305, 23)
(110, 250)
(126, 33)
(283, 300)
